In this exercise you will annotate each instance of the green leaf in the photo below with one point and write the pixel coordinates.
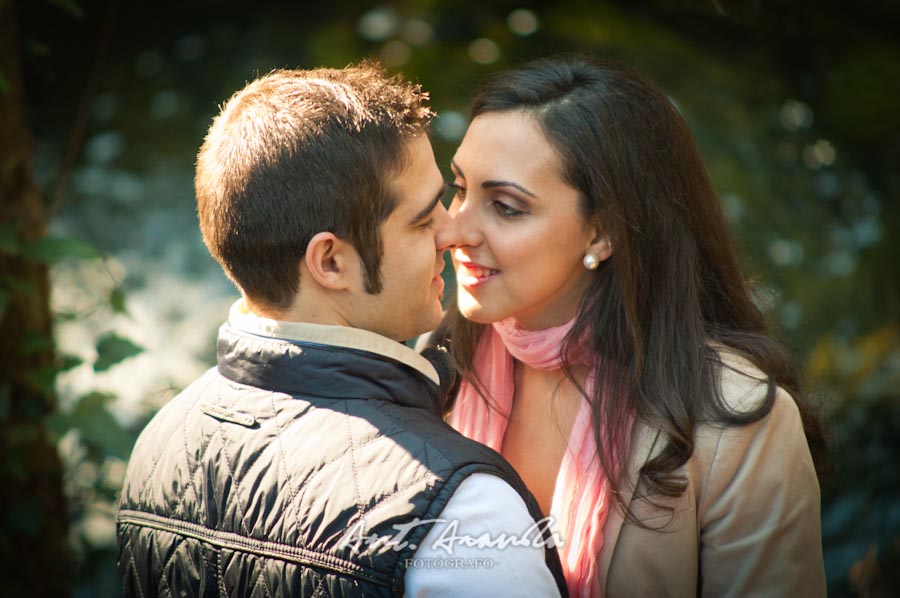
(42, 379)
(97, 426)
(117, 300)
(56, 424)
(55, 249)
(113, 349)
(66, 316)
(69, 362)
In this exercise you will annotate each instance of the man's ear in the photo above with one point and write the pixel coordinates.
(330, 261)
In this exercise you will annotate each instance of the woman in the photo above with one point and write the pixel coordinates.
(600, 304)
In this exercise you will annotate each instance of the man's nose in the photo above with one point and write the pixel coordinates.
(447, 236)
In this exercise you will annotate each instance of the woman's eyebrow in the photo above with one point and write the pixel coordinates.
(490, 184)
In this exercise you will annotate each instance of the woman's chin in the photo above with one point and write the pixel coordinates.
(474, 311)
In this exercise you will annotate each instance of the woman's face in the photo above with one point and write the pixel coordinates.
(521, 233)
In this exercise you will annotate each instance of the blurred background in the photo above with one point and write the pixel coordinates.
(110, 303)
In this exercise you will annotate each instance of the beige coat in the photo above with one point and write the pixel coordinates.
(748, 523)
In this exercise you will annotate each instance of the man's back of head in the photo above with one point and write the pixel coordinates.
(298, 152)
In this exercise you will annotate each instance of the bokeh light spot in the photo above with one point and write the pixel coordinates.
(378, 24)
(164, 105)
(417, 32)
(795, 115)
(784, 252)
(104, 107)
(148, 64)
(104, 147)
(395, 53)
(190, 48)
(819, 154)
(450, 125)
(522, 22)
(484, 51)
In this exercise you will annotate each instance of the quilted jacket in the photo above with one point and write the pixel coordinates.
(247, 483)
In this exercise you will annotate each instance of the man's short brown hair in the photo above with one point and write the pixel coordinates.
(298, 152)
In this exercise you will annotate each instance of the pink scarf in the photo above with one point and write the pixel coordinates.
(580, 496)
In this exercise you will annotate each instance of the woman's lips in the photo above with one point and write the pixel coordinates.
(474, 275)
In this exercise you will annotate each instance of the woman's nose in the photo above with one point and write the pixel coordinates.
(467, 229)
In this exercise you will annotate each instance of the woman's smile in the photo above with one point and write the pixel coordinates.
(470, 274)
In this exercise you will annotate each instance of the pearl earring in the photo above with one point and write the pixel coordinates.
(591, 261)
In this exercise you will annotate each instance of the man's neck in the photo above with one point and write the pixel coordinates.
(303, 312)
(268, 324)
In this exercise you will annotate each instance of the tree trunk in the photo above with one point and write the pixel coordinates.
(33, 519)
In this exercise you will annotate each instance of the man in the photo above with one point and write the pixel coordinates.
(312, 459)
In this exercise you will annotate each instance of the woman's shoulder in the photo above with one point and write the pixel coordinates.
(763, 413)
(743, 387)
(771, 416)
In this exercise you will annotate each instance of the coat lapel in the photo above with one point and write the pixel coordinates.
(645, 441)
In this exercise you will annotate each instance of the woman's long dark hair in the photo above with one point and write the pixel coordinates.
(673, 294)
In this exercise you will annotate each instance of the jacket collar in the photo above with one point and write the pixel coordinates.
(241, 319)
(323, 361)
(646, 443)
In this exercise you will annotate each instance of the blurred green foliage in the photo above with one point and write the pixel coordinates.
(794, 107)
(112, 349)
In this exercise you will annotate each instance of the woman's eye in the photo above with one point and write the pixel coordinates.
(505, 210)
(459, 192)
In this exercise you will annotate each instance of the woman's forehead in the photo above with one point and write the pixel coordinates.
(506, 143)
